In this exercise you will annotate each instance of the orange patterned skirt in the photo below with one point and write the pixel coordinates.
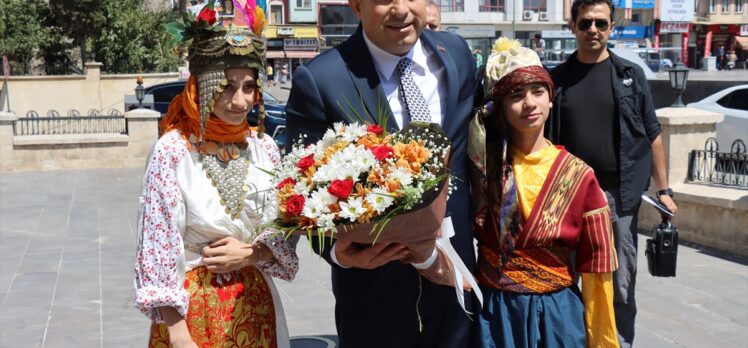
(234, 311)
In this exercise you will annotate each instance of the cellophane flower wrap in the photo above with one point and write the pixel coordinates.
(365, 185)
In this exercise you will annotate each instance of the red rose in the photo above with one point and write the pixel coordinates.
(341, 188)
(382, 152)
(286, 181)
(305, 162)
(207, 15)
(375, 128)
(295, 204)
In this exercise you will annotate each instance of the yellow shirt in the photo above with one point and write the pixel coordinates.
(530, 172)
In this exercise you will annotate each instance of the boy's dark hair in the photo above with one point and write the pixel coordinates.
(577, 4)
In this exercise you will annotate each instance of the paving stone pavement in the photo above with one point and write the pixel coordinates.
(67, 244)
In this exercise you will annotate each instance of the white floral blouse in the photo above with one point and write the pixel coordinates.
(180, 212)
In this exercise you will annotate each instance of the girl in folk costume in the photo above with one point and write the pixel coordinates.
(204, 264)
(537, 206)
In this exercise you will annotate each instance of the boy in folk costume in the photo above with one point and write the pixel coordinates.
(537, 205)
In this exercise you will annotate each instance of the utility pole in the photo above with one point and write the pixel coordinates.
(514, 19)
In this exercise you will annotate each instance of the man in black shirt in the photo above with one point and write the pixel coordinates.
(603, 114)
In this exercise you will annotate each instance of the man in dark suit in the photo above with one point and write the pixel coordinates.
(380, 301)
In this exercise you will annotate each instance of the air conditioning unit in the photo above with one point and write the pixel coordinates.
(544, 17)
(527, 15)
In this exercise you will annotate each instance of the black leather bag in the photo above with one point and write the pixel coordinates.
(662, 250)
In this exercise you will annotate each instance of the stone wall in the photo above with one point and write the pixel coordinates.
(79, 92)
(710, 215)
(76, 151)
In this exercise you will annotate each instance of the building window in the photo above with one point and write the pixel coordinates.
(739, 6)
(725, 6)
(635, 18)
(304, 4)
(712, 6)
(451, 5)
(225, 8)
(337, 20)
(276, 14)
(534, 5)
(491, 5)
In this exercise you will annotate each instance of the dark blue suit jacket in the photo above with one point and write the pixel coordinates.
(378, 308)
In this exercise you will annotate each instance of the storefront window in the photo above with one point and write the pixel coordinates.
(491, 5)
(451, 5)
(534, 5)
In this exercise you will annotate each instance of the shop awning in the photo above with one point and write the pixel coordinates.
(275, 54)
(742, 41)
(291, 54)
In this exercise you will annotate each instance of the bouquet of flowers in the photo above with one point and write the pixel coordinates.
(362, 184)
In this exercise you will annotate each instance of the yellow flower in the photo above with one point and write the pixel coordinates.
(503, 44)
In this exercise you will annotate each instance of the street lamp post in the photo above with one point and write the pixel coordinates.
(678, 79)
(140, 92)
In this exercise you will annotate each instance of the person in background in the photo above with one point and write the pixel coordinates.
(269, 74)
(603, 113)
(433, 16)
(538, 45)
(478, 57)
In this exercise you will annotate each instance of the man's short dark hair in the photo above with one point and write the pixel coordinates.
(577, 4)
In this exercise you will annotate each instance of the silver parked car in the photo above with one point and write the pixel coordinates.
(733, 103)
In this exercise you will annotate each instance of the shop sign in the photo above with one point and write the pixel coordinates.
(473, 31)
(629, 32)
(275, 43)
(637, 4)
(674, 27)
(285, 31)
(300, 44)
(744, 30)
(676, 10)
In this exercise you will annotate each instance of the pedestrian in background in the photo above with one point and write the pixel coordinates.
(433, 16)
(269, 74)
(603, 113)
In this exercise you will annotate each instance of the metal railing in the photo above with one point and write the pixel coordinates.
(72, 123)
(715, 167)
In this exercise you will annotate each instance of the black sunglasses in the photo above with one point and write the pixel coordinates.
(586, 24)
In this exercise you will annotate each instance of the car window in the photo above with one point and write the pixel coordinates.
(269, 99)
(738, 100)
(735, 100)
(165, 94)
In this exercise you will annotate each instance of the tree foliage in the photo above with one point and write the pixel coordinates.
(134, 40)
(24, 29)
(79, 19)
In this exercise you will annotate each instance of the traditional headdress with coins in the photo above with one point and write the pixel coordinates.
(222, 147)
(214, 48)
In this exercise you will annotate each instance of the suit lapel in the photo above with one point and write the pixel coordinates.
(438, 49)
(371, 102)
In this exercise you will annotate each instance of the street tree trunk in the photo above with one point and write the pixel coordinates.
(83, 53)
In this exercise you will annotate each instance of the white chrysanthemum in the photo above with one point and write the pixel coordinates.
(379, 199)
(314, 207)
(302, 188)
(326, 221)
(338, 127)
(402, 175)
(325, 197)
(352, 209)
(329, 138)
(347, 163)
(354, 131)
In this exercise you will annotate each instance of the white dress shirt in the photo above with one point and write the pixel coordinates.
(429, 76)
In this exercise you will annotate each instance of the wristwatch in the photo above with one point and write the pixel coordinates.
(667, 192)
